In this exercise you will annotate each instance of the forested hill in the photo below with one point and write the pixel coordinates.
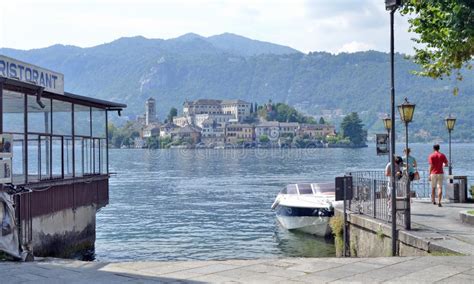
(130, 70)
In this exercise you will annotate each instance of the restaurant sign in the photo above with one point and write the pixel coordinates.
(17, 70)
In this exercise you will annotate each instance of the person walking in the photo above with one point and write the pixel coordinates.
(410, 164)
(437, 161)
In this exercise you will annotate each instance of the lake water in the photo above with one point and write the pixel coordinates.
(215, 204)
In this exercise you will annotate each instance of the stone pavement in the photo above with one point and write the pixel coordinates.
(425, 269)
(442, 226)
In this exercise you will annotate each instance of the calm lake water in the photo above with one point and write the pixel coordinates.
(215, 204)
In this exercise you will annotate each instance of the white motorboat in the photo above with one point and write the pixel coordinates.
(306, 207)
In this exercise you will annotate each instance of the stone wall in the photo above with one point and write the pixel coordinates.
(69, 233)
(368, 237)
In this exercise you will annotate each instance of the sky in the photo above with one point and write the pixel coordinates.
(307, 25)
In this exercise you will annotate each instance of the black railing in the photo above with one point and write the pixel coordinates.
(372, 195)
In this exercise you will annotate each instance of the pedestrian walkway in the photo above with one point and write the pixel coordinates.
(425, 269)
(442, 226)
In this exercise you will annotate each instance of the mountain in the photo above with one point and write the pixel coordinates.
(246, 47)
(130, 70)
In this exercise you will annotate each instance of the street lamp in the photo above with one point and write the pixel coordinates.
(407, 110)
(392, 6)
(387, 123)
(450, 121)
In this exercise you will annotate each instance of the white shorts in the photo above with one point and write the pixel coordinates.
(437, 180)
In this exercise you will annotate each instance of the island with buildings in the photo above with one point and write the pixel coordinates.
(211, 123)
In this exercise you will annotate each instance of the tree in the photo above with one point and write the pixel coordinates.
(446, 34)
(264, 139)
(153, 142)
(173, 113)
(352, 128)
(321, 120)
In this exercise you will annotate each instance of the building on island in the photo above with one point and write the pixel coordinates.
(212, 132)
(151, 130)
(271, 129)
(316, 130)
(220, 122)
(167, 129)
(239, 133)
(150, 111)
(58, 148)
(289, 129)
(189, 133)
(182, 121)
(237, 109)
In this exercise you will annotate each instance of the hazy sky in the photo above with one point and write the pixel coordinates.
(307, 25)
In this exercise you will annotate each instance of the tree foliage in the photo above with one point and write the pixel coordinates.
(446, 35)
(353, 129)
(264, 139)
(123, 136)
(283, 113)
(173, 113)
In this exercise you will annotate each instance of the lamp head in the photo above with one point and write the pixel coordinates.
(387, 122)
(406, 110)
(450, 121)
(392, 4)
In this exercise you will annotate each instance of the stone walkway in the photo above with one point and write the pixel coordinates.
(439, 226)
(426, 269)
(442, 226)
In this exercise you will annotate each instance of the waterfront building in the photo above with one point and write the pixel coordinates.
(139, 143)
(316, 130)
(271, 129)
(212, 132)
(289, 129)
(59, 150)
(236, 133)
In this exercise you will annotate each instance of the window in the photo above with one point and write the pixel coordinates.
(98, 123)
(13, 112)
(14, 123)
(305, 189)
(82, 120)
(291, 189)
(62, 118)
(39, 119)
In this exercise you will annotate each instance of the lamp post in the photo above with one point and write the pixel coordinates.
(406, 115)
(450, 121)
(392, 5)
(387, 123)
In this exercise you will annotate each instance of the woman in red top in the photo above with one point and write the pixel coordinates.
(437, 161)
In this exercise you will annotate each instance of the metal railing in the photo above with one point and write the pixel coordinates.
(371, 194)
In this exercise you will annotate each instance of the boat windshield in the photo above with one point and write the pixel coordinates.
(304, 188)
(324, 188)
(290, 189)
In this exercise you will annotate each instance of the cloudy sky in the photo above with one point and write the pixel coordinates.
(307, 25)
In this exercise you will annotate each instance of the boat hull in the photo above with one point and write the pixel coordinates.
(309, 220)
